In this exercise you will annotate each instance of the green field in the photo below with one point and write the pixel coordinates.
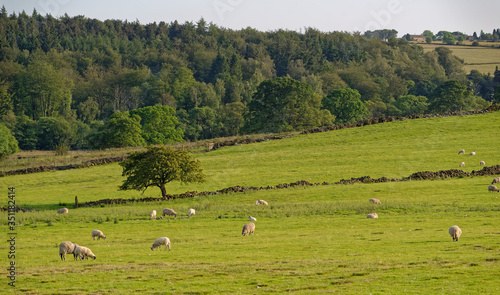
(308, 240)
(482, 58)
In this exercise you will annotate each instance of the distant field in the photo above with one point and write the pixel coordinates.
(483, 59)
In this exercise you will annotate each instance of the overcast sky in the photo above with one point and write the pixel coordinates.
(405, 16)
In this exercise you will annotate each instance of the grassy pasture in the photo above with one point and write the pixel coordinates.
(394, 150)
(483, 59)
(309, 240)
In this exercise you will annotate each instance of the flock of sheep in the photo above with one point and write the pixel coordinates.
(492, 187)
(81, 252)
(454, 231)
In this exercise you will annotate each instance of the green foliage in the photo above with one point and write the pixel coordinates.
(453, 66)
(42, 91)
(26, 132)
(428, 35)
(410, 105)
(5, 98)
(284, 104)
(8, 143)
(121, 130)
(345, 105)
(385, 34)
(52, 132)
(232, 116)
(158, 166)
(452, 96)
(159, 124)
(448, 38)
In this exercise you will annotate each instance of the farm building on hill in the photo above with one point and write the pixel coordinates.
(418, 38)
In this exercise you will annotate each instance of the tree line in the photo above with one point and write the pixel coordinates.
(80, 83)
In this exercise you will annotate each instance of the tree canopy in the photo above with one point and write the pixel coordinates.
(157, 166)
(284, 104)
(8, 143)
(85, 71)
(345, 105)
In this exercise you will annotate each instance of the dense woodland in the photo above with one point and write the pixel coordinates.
(79, 83)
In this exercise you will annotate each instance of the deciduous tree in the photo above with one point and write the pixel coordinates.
(158, 166)
(284, 104)
(345, 105)
(8, 143)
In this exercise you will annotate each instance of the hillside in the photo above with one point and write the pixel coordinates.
(394, 150)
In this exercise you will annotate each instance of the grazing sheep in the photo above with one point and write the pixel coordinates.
(169, 212)
(153, 214)
(83, 253)
(97, 233)
(372, 215)
(482, 163)
(472, 153)
(248, 229)
(495, 180)
(261, 202)
(455, 233)
(462, 164)
(252, 218)
(67, 248)
(191, 212)
(492, 188)
(461, 151)
(161, 241)
(62, 211)
(375, 201)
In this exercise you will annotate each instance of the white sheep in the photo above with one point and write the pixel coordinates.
(375, 201)
(462, 164)
(248, 229)
(153, 214)
(97, 233)
(472, 153)
(482, 163)
(252, 218)
(492, 188)
(67, 248)
(455, 233)
(191, 212)
(161, 241)
(169, 212)
(495, 180)
(372, 215)
(261, 202)
(83, 253)
(62, 211)
(462, 151)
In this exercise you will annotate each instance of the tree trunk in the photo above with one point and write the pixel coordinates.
(163, 191)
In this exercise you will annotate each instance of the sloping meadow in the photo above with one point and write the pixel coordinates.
(308, 240)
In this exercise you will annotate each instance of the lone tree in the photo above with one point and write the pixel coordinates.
(157, 166)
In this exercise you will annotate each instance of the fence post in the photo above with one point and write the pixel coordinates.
(76, 201)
